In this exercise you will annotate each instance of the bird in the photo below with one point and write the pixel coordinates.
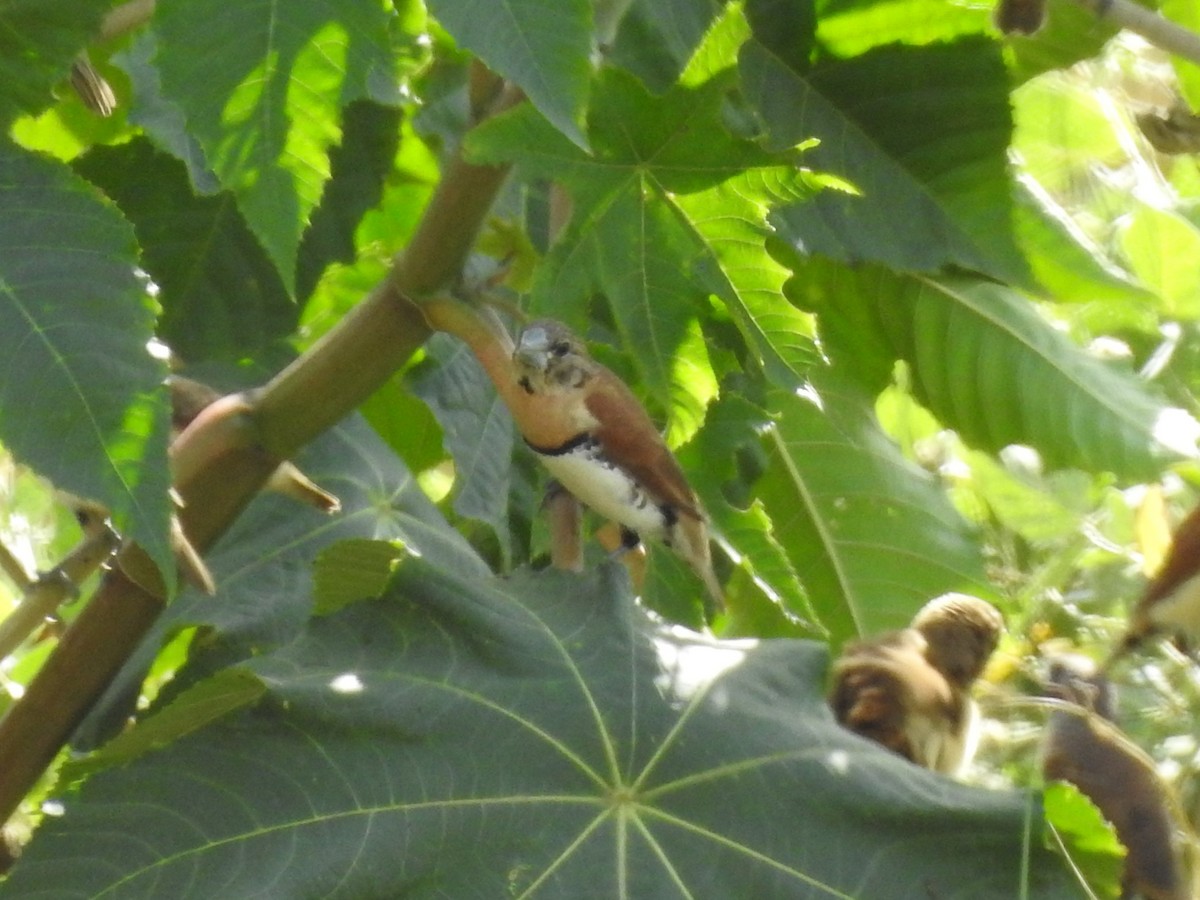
(909, 690)
(597, 440)
(1085, 748)
(1170, 604)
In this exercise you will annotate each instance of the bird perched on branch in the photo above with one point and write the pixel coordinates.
(909, 689)
(1084, 748)
(1170, 604)
(597, 440)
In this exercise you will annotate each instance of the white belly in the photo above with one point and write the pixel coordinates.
(607, 490)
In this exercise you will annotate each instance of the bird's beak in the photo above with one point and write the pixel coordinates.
(533, 350)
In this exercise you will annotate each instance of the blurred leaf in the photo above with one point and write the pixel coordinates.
(39, 39)
(542, 48)
(872, 536)
(622, 759)
(1088, 840)
(82, 401)
(921, 131)
(1161, 248)
(1073, 269)
(849, 29)
(221, 296)
(989, 366)
(263, 100)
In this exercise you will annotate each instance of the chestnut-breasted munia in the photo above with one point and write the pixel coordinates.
(598, 441)
(1083, 747)
(1170, 604)
(909, 690)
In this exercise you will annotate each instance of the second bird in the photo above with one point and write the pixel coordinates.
(597, 439)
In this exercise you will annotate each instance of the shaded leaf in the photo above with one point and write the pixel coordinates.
(656, 38)
(163, 120)
(478, 432)
(872, 536)
(81, 400)
(263, 566)
(359, 166)
(732, 425)
(220, 294)
(535, 736)
(543, 48)
(920, 131)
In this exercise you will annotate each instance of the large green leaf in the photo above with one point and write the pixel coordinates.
(263, 564)
(542, 47)
(261, 85)
(534, 737)
(220, 294)
(919, 131)
(39, 39)
(81, 399)
(669, 209)
(988, 365)
(872, 536)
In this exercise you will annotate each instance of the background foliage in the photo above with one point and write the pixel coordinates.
(916, 307)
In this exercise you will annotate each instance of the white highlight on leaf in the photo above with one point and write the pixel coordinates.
(347, 683)
(1176, 430)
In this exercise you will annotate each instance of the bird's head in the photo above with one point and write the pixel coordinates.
(550, 359)
(962, 632)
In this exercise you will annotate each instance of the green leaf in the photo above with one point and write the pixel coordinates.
(732, 425)
(848, 29)
(229, 690)
(353, 570)
(536, 736)
(1161, 247)
(220, 294)
(82, 401)
(989, 366)
(163, 121)
(39, 39)
(261, 85)
(478, 432)
(359, 167)
(669, 209)
(263, 565)
(1073, 269)
(872, 535)
(920, 131)
(543, 48)
(656, 38)
(1087, 839)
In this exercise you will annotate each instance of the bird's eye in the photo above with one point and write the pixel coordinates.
(560, 348)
